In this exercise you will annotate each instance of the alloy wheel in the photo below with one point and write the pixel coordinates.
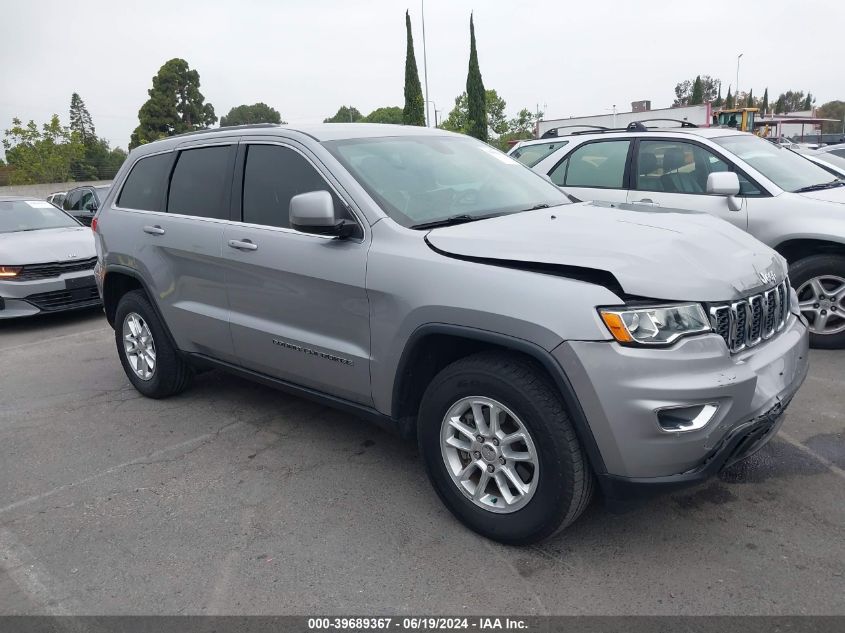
(822, 302)
(139, 346)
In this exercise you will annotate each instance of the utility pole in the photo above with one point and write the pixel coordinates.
(736, 98)
(425, 66)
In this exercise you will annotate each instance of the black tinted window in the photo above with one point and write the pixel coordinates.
(593, 165)
(199, 182)
(71, 201)
(272, 176)
(144, 188)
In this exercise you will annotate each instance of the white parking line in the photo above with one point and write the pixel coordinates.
(836, 470)
(32, 578)
(51, 339)
(154, 456)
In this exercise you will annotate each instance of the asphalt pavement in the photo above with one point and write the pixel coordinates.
(234, 498)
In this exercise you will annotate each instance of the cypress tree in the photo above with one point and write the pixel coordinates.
(729, 100)
(476, 96)
(765, 105)
(749, 102)
(718, 102)
(697, 92)
(808, 102)
(414, 112)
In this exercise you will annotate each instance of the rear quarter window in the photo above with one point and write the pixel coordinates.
(530, 155)
(146, 183)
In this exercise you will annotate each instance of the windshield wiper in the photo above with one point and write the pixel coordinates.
(820, 186)
(455, 219)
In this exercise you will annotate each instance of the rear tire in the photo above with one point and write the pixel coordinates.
(560, 481)
(819, 281)
(151, 362)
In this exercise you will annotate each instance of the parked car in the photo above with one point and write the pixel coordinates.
(828, 161)
(789, 203)
(46, 260)
(836, 150)
(429, 283)
(83, 202)
(56, 199)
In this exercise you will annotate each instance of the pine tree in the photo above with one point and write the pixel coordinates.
(765, 106)
(729, 100)
(476, 97)
(80, 120)
(780, 105)
(414, 112)
(697, 96)
(718, 102)
(808, 102)
(176, 105)
(749, 102)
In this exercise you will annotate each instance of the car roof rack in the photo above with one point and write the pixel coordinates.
(633, 126)
(552, 132)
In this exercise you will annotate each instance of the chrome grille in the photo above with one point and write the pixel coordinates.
(747, 322)
(53, 269)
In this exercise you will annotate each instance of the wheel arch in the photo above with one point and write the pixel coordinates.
(795, 249)
(433, 346)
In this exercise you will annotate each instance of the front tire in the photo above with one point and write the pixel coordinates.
(500, 450)
(819, 281)
(151, 362)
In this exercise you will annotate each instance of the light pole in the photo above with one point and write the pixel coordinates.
(427, 101)
(736, 97)
(425, 65)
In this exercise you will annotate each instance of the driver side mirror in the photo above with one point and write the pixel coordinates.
(725, 183)
(314, 212)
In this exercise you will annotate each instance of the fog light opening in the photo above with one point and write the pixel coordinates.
(686, 418)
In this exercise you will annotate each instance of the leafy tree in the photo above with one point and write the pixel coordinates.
(476, 95)
(808, 102)
(176, 105)
(390, 114)
(791, 101)
(832, 110)
(729, 100)
(697, 96)
(749, 101)
(414, 112)
(458, 119)
(80, 120)
(345, 114)
(44, 155)
(765, 105)
(710, 87)
(520, 127)
(248, 114)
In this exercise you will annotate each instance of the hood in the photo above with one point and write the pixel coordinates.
(46, 245)
(653, 252)
(826, 195)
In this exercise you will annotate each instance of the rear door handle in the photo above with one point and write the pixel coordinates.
(647, 201)
(243, 245)
(154, 230)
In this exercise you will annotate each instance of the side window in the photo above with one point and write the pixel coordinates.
(678, 167)
(838, 152)
(599, 164)
(71, 201)
(199, 182)
(145, 186)
(87, 201)
(530, 155)
(272, 176)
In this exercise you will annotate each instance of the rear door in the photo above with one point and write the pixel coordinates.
(595, 170)
(179, 240)
(299, 307)
(673, 173)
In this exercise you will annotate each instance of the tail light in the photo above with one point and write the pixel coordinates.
(94, 225)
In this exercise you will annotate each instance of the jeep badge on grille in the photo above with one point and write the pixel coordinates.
(768, 277)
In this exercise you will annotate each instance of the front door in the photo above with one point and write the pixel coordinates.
(594, 171)
(299, 308)
(672, 173)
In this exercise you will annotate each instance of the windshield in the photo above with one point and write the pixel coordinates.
(102, 192)
(830, 157)
(785, 168)
(32, 215)
(418, 180)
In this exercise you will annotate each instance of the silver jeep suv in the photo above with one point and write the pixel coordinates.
(427, 282)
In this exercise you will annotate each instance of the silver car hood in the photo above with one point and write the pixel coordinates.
(827, 195)
(652, 252)
(46, 245)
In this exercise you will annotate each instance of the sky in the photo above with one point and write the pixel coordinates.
(308, 58)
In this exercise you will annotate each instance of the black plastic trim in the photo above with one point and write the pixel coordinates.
(358, 410)
(541, 355)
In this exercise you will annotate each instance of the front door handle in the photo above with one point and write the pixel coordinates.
(154, 230)
(647, 201)
(243, 245)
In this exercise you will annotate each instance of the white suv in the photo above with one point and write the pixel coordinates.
(781, 198)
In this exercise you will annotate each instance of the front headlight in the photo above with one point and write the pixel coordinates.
(658, 325)
(9, 271)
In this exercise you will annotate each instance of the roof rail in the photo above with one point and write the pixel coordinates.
(552, 132)
(684, 123)
(206, 130)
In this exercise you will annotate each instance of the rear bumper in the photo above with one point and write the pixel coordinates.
(621, 390)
